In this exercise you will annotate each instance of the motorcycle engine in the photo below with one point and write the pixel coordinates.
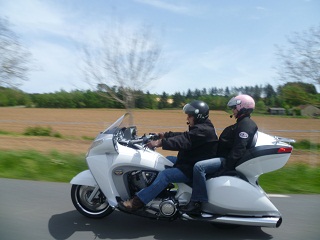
(167, 208)
(138, 180)
(164, 205)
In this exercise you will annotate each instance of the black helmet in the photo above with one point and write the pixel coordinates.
(198, 109)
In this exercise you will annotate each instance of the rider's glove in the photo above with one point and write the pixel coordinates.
(161, 135)
(153, 144)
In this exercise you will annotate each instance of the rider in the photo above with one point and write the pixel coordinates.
(199, 143)
(233, 143)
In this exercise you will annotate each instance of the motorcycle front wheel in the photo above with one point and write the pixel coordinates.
(97, 207)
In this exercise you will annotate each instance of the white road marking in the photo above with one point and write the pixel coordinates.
(278, 195)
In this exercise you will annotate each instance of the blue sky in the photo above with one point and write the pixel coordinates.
(208, 43)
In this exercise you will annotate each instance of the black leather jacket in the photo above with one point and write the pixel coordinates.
(235, 140)
(199, 143)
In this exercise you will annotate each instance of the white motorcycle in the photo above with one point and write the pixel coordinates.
(120, 165)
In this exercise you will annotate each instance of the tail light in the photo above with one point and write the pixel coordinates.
(285, 150)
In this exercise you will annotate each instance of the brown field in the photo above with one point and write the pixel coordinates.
(74, 124)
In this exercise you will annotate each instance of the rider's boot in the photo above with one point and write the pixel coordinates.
(192, 208)
(131, 205)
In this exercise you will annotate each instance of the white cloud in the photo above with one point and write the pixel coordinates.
(33, 16)
(164, 5)
(180, 7)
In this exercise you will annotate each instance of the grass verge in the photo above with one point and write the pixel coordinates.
(32, 165)
(292, 178)
(61, 167)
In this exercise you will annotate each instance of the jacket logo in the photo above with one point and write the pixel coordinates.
(243, 135)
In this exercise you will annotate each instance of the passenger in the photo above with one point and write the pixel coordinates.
(199, 143)
(233, 143)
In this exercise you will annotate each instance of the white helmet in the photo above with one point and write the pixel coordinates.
(243, 103)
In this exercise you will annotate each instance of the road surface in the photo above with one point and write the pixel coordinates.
(31, 210)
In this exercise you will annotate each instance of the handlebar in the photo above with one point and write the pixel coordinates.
(143, 140)
(131, 143)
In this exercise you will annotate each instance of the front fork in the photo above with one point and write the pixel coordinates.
(93, 194)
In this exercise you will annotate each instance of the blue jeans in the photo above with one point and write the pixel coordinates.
(200, 169)
(172, 159)
(169, 175)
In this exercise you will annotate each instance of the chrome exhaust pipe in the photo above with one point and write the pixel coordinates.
(272, 222)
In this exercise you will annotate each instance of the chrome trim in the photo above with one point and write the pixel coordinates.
(272, 222)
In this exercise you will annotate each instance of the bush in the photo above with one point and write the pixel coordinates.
(296, 111)
(260, 107)
(307, 145)
(41, 131)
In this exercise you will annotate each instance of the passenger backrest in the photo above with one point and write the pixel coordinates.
(254, 140)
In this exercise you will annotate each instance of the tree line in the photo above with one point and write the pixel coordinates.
(289, 96)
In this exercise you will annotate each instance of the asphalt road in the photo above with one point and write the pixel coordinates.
(31, 210)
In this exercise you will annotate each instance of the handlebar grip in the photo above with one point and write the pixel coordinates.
(137, 141)
(154, 136)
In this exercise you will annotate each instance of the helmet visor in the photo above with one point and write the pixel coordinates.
(233, 102)
(189, 109)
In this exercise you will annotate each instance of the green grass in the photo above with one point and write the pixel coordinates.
(4, 132)
(292, 178)
(61, 167)
(32, 165)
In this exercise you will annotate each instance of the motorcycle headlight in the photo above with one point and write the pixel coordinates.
(96, 143)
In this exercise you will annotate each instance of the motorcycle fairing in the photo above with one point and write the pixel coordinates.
(84, 178)
(110, 170)
(233, 196)
(253, 168)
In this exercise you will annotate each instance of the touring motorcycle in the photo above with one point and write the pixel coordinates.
(120, 165)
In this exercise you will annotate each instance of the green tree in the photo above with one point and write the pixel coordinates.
(13, 97)
(189, 94)
(270, 95)
(260, 107)
(298, 93)
(178, 100)
(227, 92)
(256, 92)
(151, 100)
(163, 101)
(294, 95)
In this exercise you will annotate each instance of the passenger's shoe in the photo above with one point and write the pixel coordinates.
(193, 208)
(131, 205)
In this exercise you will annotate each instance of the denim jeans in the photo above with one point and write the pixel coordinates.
(169, 175)
(172, 159)
(200, 169)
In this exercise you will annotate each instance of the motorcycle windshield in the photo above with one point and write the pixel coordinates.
(107, 140)
(122, 122)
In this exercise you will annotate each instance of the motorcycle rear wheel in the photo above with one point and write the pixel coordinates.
(97, 208)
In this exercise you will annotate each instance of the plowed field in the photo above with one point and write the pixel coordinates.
(76, 124)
